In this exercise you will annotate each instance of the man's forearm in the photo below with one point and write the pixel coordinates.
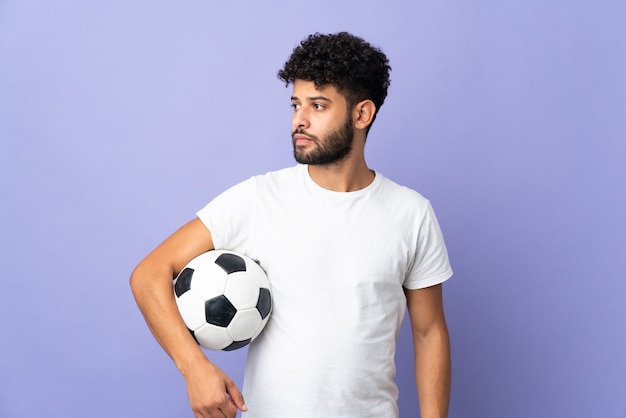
(433, 373)
(155, 298)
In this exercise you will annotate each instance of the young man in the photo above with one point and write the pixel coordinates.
(346, 251)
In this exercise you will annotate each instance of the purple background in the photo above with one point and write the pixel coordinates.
(118, 120)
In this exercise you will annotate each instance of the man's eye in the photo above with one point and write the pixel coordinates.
(318, 106)
(295, 106)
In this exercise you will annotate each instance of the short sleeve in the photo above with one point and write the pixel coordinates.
(431, 265)
(230, 215)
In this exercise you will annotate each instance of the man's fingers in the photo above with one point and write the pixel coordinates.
(235, 396)
(224, 408)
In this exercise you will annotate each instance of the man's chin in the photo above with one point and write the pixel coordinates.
(309, 160)
(303, 157)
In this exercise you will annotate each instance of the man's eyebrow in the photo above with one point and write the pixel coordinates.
(313, 98)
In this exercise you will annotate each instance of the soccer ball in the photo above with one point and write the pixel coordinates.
(224, 299)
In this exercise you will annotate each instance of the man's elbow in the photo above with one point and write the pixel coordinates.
(435, 332)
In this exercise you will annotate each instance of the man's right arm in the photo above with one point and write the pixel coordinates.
(210, 391)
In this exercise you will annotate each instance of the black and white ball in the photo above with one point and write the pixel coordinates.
(224, 299)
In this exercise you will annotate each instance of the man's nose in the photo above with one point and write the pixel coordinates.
(300, 120)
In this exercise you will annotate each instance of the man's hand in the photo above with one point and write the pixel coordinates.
(212, 394)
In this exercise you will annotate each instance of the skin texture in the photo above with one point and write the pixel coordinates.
(319, 113)
(431, 346)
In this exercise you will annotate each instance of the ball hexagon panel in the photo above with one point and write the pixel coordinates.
(191, 308)
(245, 323)
(258, 273)
(242, 290)
(208, 281)
(213, 337)
(258, 331)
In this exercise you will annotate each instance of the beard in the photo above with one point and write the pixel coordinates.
(334, 147)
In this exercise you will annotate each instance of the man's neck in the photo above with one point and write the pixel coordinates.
(345, 176)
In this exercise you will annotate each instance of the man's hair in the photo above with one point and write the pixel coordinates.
(355, 68)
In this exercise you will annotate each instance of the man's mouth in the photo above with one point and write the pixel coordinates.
(301, 138)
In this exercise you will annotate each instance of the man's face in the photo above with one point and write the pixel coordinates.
(322, 130)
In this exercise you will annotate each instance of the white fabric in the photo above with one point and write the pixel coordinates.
(337, 263)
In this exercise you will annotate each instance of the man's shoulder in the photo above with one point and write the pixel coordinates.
(396, 190)
(280, 176)
(286, 171)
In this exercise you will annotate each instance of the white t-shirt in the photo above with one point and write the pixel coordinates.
(337, 264)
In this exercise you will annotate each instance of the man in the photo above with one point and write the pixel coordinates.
(346, 251)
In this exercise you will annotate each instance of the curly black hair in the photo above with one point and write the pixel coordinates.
(355, 68)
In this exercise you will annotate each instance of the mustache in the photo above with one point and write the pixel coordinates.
(301, 131)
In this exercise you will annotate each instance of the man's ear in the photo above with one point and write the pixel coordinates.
(363, 114)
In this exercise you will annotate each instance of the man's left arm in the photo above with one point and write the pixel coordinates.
(431, 344)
